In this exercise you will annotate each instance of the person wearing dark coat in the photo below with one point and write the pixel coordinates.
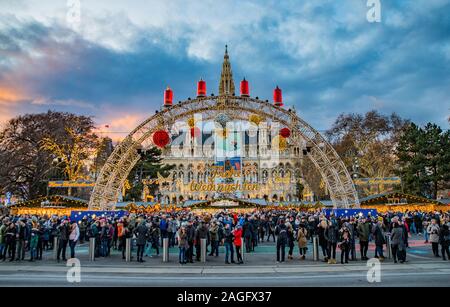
(190, 232)
(290, 240)
(378, 235)
(364, 229)
(444, 240)
(23, 233)
(271, 229)
(248, 232)
(332, 235)
(63, 239)
(398, 243)
(281, 233)
(142, 234)
(10, 241)
(352, 231)
(201, 233)
(255, 226)
(155, 233)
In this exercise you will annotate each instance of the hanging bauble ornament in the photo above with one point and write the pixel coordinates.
(256, 119)
(285, 132)
(222, 119)
(195, 132)
(191, 122)
(161, 138)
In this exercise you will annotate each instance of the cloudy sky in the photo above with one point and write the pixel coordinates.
(328, 59)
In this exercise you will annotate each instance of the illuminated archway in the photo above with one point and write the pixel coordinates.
(322, 154)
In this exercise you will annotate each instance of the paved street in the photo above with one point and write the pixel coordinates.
(260, 269)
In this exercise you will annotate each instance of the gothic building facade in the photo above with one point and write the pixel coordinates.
(193, 161)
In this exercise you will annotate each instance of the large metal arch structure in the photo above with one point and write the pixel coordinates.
(125, 155)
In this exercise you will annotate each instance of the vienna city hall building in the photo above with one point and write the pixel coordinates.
(262, 172)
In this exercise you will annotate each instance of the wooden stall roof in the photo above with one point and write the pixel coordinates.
(384, 198)
(53, 201)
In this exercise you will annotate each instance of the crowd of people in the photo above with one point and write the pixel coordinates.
(32, 235)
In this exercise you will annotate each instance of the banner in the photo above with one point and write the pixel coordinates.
(350, 212)
(78, 215)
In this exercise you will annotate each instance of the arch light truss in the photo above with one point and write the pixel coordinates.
(125, 155)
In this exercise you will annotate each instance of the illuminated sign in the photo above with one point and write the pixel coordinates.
(71, 184)
(377, 181)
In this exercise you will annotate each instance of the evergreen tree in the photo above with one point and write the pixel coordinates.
(147, 168)
(424, 160)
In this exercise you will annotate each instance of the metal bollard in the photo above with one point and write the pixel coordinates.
(166, 250)
(203, 250)
(128, 249)
(388, 246)
(243, 249)
(55, 248)
(315, 248)
(92, 249)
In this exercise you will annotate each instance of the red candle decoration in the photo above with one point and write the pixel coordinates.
(168, 97)
(195, 132)
(161, 138)
(277, 97)
(201, 88)
(285, 132)
(244, 88)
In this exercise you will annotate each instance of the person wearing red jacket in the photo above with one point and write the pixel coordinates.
(238, 243)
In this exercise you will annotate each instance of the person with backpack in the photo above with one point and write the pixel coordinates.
(281, 233)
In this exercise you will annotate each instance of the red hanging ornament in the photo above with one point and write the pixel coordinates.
(285, 132)
(168, 97)
(195, 132)
(277, 97)
(201, 88)
(161, 138)
(244, 88)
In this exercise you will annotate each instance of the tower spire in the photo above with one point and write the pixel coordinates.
(226, 85)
